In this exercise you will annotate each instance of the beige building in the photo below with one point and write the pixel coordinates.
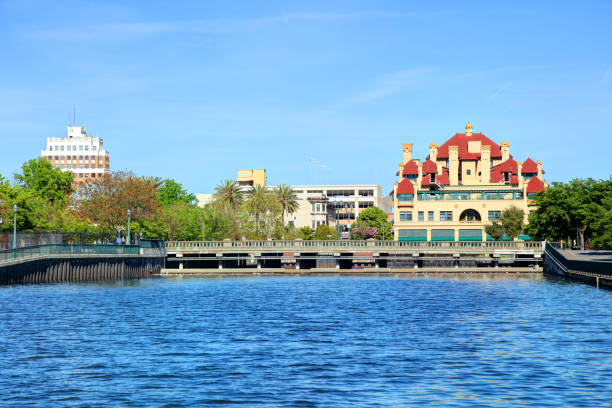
(328, 204)
(463, 185)
(255, 177)
(79, 153)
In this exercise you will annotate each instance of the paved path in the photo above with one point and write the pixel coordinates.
(590, 255)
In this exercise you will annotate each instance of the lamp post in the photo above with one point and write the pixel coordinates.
(129, 213)
(15, 226)
(337, 220)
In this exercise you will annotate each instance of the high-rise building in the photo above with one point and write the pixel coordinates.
(463, 185)
(79, 153)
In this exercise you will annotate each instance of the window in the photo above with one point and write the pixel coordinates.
(491, 196)
(421, 216)
(446, 215)
(87, 166)
(87, 148)
(80, 166)
(507, 178)
(81, 148)
(468, 172)
(62, 157)
(80, 157)
(93, 175)
(432, 177)
(494, 215)
(86, 175)
(62, 148)
(94, 148)
(405, 215)
(49, 157)
(318, 208)
(430, 215)
(69, 165)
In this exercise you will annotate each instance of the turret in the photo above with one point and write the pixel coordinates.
(519, 168)
(539, 164)
(468, 129)
(420, 176)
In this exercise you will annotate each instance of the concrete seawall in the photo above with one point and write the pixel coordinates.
(77, 269)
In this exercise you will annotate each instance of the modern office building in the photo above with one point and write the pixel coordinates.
(324, 204)
(463, 185)
(79, 153)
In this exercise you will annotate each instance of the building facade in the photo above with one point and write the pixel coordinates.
(463, 185)
(251, 178)
(331, 204)
(79, 153)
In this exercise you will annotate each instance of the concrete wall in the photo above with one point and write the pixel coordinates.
(80, 269)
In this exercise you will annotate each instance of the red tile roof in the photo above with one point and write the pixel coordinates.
(410, 168)
(442, 179)
(508, 166)
(461, 140)
(529, 166)
(497, 172)
(430, 167)
(535, 185)
(405, 187)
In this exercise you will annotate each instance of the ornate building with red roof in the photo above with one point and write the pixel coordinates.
(463, 185)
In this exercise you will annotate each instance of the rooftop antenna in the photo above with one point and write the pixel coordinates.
(74, 114)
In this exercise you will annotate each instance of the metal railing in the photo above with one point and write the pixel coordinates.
(147, 248)
(178, 245)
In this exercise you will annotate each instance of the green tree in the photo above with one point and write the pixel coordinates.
(372, 217)
(324, 232)
(264, 210)
(513, 221)
(581, 205)
(155, 182)
(288, 200)
(229, 193)
(46, 181)
(306, 233)
(495, 230)
(217, 226)
(172, 192)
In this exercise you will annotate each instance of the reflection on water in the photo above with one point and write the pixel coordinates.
(463, 340)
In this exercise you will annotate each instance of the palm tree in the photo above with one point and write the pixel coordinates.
(229, 193)
(156, 182)
(287, 198)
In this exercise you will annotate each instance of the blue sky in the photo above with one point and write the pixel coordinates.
(197, 90)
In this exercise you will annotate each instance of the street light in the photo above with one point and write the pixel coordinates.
(15, 226)
(337, 219)
(129, 213)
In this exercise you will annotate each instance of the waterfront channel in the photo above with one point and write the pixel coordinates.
(307, 341)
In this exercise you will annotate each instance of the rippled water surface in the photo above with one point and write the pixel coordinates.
(306, 342)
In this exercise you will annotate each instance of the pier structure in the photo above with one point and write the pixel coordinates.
(301, 257)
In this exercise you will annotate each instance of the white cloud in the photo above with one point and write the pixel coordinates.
(387, 85)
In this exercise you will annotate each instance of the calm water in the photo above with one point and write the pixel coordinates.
(306, 342)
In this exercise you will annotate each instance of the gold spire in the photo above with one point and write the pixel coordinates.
(468, 129)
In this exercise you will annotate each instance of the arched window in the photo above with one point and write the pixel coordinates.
(470, 215)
